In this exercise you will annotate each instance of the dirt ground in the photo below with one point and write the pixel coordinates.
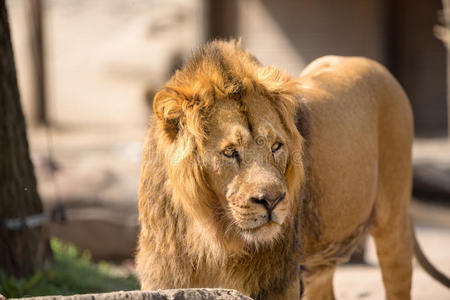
(364, 281)
(102, 55)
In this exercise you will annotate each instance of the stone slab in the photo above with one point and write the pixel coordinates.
(175, 294)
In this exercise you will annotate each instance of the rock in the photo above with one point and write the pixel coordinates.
(176, 294)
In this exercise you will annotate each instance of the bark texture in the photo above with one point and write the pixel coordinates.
(22, 250)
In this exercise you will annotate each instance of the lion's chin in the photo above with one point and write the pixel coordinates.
(264, 234)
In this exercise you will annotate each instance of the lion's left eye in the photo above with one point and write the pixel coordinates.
(276, 147)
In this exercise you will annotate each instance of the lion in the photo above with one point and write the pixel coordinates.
(253, 180)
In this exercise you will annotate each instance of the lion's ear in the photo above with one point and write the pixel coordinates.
(168, 109)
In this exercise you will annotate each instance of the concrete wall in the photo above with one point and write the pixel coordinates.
(418, 60)
(290, 34)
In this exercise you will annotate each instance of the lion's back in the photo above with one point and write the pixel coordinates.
(359, 114)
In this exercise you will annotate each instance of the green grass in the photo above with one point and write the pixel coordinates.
(71, 272)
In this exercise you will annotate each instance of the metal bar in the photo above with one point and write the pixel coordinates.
(26, 222)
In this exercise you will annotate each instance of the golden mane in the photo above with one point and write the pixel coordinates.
(175, 202)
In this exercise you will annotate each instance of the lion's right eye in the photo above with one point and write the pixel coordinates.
(231, 153)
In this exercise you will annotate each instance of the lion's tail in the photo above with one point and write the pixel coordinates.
(426, 264)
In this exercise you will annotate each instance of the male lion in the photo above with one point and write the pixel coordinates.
(249, 173)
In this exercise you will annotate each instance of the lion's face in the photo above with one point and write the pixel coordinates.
(246, 164)
(231, 150)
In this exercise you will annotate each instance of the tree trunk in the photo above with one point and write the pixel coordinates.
(23, 246)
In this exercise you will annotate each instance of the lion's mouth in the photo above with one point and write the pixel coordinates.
(263, 223)
(263, 233)
(269, 223)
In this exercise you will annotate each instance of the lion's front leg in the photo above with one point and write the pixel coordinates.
(291, 292)
(319, 286)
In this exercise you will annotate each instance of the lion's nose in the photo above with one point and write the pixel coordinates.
(269, 201)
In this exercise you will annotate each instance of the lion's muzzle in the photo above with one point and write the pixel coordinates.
(269, 202)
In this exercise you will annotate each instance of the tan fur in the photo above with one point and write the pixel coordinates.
(344, 166)
(360, 149)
